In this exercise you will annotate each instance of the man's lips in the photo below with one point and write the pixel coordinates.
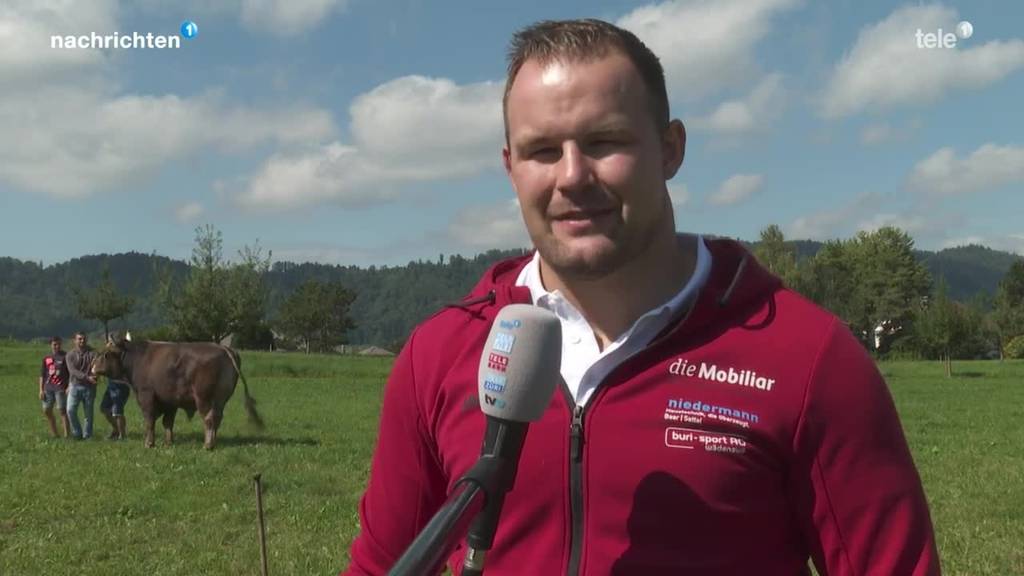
(589, 214)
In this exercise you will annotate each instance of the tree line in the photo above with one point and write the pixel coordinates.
(893, 304)
(957, 303)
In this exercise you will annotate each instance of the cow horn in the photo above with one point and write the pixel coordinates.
(128, 336)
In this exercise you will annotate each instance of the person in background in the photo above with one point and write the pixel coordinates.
(112, 407)
(82, 387)
(53, 385)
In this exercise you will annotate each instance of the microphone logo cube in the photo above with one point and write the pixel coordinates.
(495, 383)
(497, 362)
(492, 401)
(503, 342)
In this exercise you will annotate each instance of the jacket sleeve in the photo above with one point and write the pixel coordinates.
(74, 359)
(406, 485)
(858, 495)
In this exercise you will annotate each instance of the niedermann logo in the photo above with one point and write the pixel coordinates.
(940, 39)
(726, 375)
(115, 41)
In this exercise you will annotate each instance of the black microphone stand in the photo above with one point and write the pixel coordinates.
(485, 484)
(505, 450)
(428, 550)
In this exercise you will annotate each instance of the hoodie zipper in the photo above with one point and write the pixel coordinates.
(575, 483)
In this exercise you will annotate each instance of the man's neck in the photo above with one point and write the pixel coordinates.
(612, 303)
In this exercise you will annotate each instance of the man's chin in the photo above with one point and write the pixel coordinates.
(584, 265)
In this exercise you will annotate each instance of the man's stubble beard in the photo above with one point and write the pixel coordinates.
(569, 267)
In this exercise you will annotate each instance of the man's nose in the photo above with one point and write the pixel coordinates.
(574, 169)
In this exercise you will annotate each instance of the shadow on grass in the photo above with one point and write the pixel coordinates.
(968, 374)
(197, 438)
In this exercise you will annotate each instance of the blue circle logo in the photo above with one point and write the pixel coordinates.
(189, 29)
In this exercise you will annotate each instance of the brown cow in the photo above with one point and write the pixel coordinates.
(166, 376)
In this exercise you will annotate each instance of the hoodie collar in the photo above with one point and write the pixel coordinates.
(736, 282)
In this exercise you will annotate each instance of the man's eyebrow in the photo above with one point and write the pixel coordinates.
(529, 139)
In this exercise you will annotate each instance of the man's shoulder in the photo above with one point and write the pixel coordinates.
(800, 319)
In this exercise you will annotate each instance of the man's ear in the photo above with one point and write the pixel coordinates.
(506, 160)
(673, 145)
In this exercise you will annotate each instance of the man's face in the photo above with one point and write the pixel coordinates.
(588, 163)
(55, 346)
(80, 341)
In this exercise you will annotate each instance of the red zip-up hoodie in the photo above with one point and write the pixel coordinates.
(751, 435)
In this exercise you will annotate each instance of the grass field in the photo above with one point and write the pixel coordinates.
(101, 507)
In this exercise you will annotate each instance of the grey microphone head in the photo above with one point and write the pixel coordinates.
(521, 363)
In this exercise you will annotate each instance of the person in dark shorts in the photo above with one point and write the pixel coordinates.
(112, 406)
(53, 385)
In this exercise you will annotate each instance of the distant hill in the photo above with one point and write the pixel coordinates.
(968, 270)
(36, 301)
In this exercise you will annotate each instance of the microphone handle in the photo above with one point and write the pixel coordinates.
(428, 550)
(502, 448)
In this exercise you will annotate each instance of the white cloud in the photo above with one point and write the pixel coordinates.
(834, 223)
(987, 168)
(69, 131)
(485, 227)
(755, 112)
(328, 255)
(705, 46)
(909, 223)
(412, 129)
(876, 133)
(963, 241)
(1006, 242)
(287, 17)
(679, 194)
(886, 68)
(25, 30)
(188, 212)
(736, 189)
(93, 141)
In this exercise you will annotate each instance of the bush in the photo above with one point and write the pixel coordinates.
(1015, 348)
(158, 333)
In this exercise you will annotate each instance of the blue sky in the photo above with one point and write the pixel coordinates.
(359, 132)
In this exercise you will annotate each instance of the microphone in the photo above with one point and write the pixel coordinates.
(519, 369)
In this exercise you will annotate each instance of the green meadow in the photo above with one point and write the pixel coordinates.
(101, 507)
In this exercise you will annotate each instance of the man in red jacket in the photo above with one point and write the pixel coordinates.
(709, 420)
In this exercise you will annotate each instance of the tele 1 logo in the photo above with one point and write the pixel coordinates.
(940, 39)
(510, 324)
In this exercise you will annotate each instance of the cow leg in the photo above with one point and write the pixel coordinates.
(211, 420)
(212, 423)
(149, 413)
(169, 415)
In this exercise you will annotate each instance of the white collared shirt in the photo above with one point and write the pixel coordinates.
(584, 364)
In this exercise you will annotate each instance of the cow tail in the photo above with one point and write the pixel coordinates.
(250, 402)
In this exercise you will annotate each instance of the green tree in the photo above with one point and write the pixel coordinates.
(104, 303)
(872, 281)
(218, 297)
(317, 314)
(778, 257)
(1008, 307)
(946, 329)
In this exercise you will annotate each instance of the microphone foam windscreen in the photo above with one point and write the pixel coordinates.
(521, 363)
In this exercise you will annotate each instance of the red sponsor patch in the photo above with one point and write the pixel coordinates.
(497, 362)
